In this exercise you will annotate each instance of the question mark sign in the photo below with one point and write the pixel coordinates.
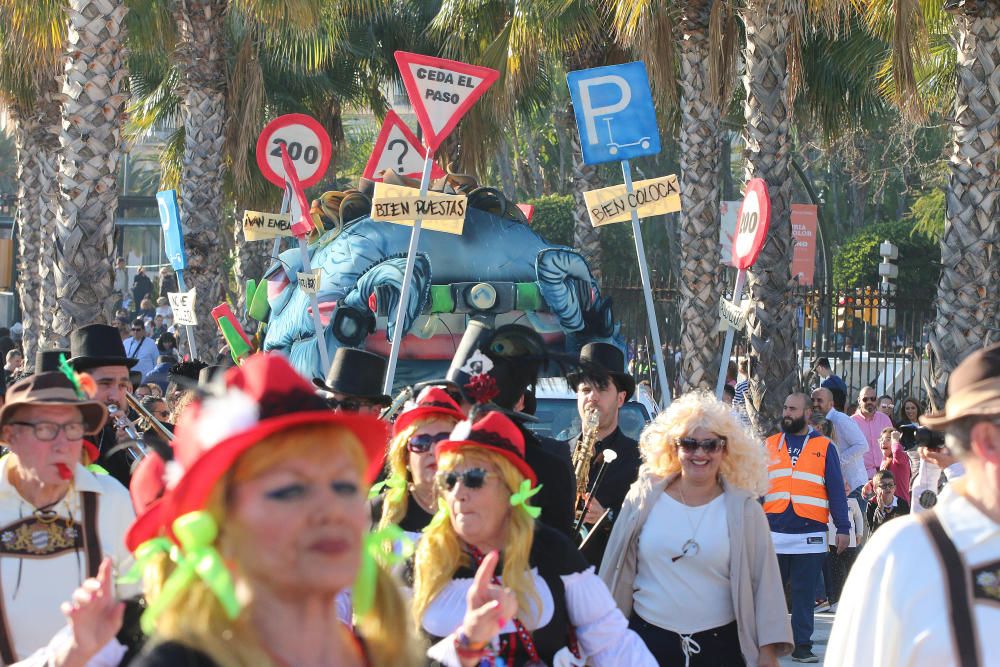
(402, 153)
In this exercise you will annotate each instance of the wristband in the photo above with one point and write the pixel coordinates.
(463, 643)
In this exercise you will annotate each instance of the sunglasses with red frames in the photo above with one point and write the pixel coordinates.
(423, 443)
(709, 445)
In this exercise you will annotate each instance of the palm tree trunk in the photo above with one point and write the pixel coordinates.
(91, 146)
(200, 56)
(771, 325)
(583, 177)
(700, 278)
(967, 296)
(27, 221)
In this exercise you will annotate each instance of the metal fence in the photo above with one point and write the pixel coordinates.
(871, 338)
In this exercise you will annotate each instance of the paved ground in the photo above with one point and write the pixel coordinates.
(821, 633)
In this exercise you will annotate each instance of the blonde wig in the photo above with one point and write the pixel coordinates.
(398, 462)
(196, 618)
(440, 553)
(744, 464)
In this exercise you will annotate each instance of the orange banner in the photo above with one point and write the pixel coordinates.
(804, 220)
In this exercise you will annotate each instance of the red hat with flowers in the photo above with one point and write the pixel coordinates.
(496, 432)
(260, 398)
(431, 402)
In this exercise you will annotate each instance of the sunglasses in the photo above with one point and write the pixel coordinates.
(423, 443)
(347, 405)
(473, 478)
(868, 399)
(709, 445)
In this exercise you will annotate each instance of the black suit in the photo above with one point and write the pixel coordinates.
(555, 474)
(117, 464)
(618, 478)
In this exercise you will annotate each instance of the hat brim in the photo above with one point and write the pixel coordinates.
(198, 482)
(384, 399)
(422, 412)
(983, 410)
(517, 462)
(95, 414)
(86, 363)
(623, 380)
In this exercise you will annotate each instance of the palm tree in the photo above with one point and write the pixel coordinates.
(30, 45)
(771, 323)
(706, 59)
(93, 98)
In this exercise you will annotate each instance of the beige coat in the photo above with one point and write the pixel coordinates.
(758, 596)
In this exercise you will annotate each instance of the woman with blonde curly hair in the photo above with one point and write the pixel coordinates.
(408, 497)
(690, 559)
(491, 583)
(261, 525)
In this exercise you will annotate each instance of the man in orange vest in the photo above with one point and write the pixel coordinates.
(805, 487)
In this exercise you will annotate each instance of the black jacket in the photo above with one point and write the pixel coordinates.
(618, 478)
(116, 461)
(555, 474)
(875, 518)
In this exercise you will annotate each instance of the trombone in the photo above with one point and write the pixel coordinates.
(137, 450)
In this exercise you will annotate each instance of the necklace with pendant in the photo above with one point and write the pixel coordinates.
(691, 547)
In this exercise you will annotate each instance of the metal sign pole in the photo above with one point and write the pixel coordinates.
(647, 292)
(286, 201)
(727, 347)
(404, 290)
(187, 327)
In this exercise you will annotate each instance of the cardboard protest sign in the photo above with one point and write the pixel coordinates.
(306, 142)
(258, 225)
(441, 91)
(655, 196)
(309, 282)
(402, 205)
(732, 314)
(397, 148)
(182, 305)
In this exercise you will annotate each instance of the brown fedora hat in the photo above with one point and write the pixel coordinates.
(52, 388)
(973, 389)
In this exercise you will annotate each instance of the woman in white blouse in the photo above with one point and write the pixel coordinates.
(690, 558)
(491, 583)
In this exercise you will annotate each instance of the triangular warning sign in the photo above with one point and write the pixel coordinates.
(441, 91)
(298, 205)
(397, 148)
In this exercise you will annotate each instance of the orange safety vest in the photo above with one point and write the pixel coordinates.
(804, 484)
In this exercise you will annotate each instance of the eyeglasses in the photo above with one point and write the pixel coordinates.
(423, 443)
(137, 329)
(709, 445)
(886, 486)
(473, 478)
(46, 431)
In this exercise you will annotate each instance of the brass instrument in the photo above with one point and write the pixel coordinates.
(389, 413)
(148, 416)
(137, 450)
(583, 455)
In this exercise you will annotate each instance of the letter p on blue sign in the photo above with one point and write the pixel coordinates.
(614, 112)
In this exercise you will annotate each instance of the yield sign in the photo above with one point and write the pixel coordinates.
(441, 91)
(397, 148)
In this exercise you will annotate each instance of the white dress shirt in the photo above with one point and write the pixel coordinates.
(894, 608)
(145, 351)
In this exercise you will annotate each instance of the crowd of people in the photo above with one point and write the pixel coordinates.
(160, 511)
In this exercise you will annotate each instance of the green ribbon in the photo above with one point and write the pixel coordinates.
(68, 371)
(521, 498)
(378, 547)
(197, 557)
(97, 470)
(397, 489)
(144, 555)
(440, 516)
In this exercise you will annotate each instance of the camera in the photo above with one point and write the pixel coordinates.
(914, 435)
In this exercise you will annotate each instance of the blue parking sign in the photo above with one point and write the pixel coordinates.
(170, 221)
(614, 112)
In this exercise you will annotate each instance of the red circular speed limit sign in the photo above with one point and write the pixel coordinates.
(751, 224)
(307, 143)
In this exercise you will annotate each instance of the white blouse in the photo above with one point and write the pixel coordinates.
(692, 593)
(601, 629)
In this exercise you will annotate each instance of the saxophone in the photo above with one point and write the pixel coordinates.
(583, 454)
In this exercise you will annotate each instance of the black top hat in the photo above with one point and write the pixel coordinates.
(97, 345)
(356, 373)
(601, 359)
(48, 360)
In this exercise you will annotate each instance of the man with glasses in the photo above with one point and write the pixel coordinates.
(925, 590)
(140, 347)
(58, 520)
(354, 382)
(805, 488)
(871, 422)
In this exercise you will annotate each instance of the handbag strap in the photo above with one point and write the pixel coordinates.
(957, 580)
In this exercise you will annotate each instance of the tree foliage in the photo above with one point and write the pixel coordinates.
(856, 261)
